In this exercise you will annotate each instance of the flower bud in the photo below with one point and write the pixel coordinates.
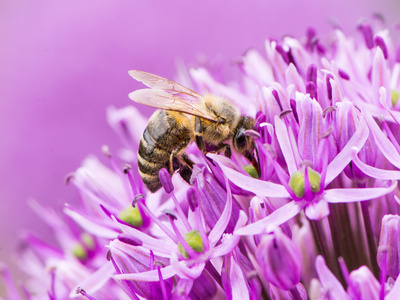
(347, 121)
(388, 255)
(279, 259)
(296, 182)
(193, 239)
(131, 259)
(212, 199)
(363, 284)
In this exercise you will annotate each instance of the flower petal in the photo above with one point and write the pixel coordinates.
(331, 285)
(167, 272)
(258, 187)
(356, 194)
(384, 144)
(95, 281)
(343, 158)
(372, 171)
(317, 210)
(229, 241)
(90, 225)
(278, 217)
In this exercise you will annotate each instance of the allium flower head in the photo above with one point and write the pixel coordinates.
(315, 214)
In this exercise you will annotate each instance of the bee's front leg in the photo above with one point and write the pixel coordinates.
(198, 133)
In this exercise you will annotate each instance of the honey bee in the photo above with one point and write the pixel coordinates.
(185, 116)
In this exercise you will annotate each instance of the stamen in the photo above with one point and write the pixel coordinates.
(329, 86)
(283, 53)
(170, 214)
(129, 239)
(137, 198)
(294, 109)
(311, 90)
(162, 284)
(366, 30)
(134, 187)
(379, 42)
(157, 221)
(165, 179)
(81, 291)
(166, 182)
(108, 255)
(192, 199)
(285, 113)
(312, 73)
(344, 75)
(69, 177)
(328, 110)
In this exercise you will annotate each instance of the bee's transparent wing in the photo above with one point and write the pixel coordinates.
(157, 82)
(162, 99)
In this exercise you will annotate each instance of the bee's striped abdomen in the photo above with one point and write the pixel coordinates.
(160, 138)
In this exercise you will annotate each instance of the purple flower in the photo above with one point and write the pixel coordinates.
(302, 221)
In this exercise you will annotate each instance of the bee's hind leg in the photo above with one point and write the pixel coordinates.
(180, 162)
(183, 165)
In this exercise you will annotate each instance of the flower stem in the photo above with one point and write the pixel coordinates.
(370, 238)
(320, 240)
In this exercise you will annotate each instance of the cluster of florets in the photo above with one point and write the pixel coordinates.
(318, 219)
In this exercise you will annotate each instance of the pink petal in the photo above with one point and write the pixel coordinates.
(356, 194)
(372, 171)
(90, 225)
(258, 187)
(163, 247)
(187, 269)
(317, 210)
(282, 135)
(395, 291)
(293, 77)
(152, 275)
(383, 143)
(343, 158)
(96, 280)
(278, 217)
(230, 241)
(331, 285)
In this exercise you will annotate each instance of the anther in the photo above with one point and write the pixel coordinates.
(69, 177)
(285, 113)
(127, 167)
(108, 255)
(170, 214)
(106, 150)
(165, 179)
(137, 198)
(130, 240)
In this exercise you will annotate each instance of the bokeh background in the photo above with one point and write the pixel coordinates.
(62, 63)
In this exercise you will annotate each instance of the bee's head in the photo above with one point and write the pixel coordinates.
(242, 142)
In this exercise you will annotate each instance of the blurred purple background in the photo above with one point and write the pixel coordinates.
(62, 63)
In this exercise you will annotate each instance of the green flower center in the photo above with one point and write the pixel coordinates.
(251, 171)
(296, 182)
(193, 239)
(395, 96)
(132, 216)
(79, 252)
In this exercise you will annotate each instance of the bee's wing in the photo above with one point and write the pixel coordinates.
(161, 99)
(157, 82)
